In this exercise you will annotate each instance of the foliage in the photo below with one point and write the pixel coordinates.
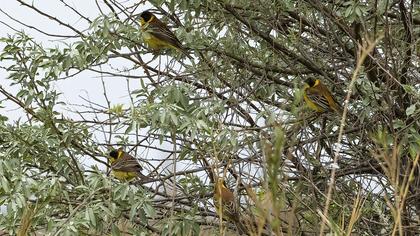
(235, 111)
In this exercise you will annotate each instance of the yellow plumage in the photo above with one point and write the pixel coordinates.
(155, 43)
(318, 97)
(157, 35)
(124, 176)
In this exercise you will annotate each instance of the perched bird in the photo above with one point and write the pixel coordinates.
(226, 206)
(318, 97)
(124, 166)
(224, 198)
(157, 35)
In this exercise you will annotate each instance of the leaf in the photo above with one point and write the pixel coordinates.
(409, 89)
(163, 117)
(398, 124)
(133, 211)
(414, 150)
(410, 110)
(28, 100)
(5, 184)
(174, 118)
(92, 217)
(149, 210)
(348, 12)
(358, 12)
(115, 231)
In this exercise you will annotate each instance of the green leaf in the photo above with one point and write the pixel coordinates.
(414, 150)
(28, 100)
(133, 211)
(115, 231)
(174, 118)
(410, 110)
(398, 124)
(92, 217)
(5, 184)
(149, 210)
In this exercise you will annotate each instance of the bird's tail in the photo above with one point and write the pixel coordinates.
(145, 179)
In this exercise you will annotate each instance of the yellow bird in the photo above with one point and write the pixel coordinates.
(124, 166)
(157, 35)
(318, 97)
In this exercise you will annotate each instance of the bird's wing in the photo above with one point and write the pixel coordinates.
(228, 200)
(330, 98)
(317, 97)
(126, 163)
(161, 31)
(333, 103)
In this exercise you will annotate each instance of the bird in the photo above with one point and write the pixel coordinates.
(157, 35)
(224, 198)
(124, 166)
(319, 98)
(225, 204)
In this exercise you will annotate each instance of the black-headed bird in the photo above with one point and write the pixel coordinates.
(157, 35)
(124, 166)
(319, 98)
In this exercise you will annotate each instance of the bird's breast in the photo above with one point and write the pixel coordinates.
(146, 35)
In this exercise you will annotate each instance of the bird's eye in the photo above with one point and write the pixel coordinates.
(113, 153)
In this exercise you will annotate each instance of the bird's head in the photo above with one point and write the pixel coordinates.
(115, 154)
(311, 81)
(146, 17)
